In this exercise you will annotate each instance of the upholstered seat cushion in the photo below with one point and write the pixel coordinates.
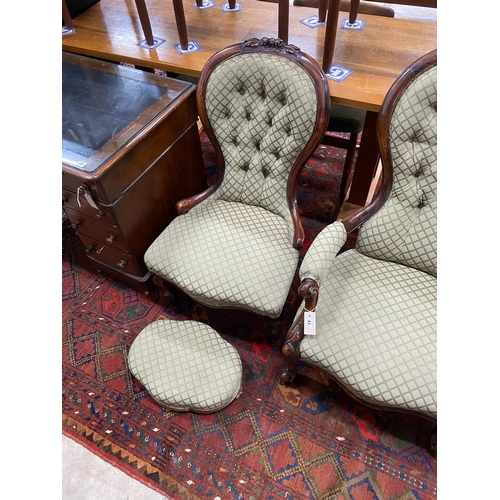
(376, 332)
(228, 254)
(186, 365)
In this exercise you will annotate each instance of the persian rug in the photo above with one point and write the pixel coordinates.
(305, 441)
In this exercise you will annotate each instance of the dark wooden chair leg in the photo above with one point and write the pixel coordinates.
(433, 441)
(291, 352)
(180, 21)
(232, 4)
(67, 17)
(366, 163)
(145, 22)
(330, 33)
(283, 19)
(348, 166)
(385, 417)
(353, 11)
(322, 8)
(350, 146)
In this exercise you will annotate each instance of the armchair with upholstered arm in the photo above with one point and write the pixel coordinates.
(265, 106)
(375, 305)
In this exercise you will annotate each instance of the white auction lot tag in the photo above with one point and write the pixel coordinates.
(309, 323)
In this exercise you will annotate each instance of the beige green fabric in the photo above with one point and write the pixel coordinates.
(235, 249)
(186, 366)
(317, 263)
(263, 111)
(405, 230)
(376, 332)
(376, 313)
(227, 254)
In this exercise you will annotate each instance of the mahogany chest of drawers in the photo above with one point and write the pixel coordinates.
(131, 151)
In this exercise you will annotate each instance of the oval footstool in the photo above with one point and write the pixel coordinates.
(186, 366)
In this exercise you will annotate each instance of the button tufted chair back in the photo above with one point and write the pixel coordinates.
(405, 229)
(262, 110)
(265, 107)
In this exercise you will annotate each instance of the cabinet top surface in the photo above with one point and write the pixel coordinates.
(106, 105)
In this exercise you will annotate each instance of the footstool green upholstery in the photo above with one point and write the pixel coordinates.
(186, 366)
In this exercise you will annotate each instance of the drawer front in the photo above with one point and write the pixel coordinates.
(113, 257)
(88, 226)
(101, 213)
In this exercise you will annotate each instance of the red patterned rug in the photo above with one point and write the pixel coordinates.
(307, 441)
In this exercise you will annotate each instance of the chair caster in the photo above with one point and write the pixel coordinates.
(285, 378)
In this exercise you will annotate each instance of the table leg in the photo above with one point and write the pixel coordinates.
(332, 19)
(366, 162)
(145, 22)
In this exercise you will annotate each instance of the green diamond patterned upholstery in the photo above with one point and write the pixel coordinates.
(405, 229)
(376, 315)
(263, 111)
(376, 332)
(186, 366)
(227, 254)
(317, 263)
(235, 249)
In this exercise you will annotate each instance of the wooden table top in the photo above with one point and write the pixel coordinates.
(377, 54)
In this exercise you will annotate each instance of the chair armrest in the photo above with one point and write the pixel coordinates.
(321, 253)
(185, 205)
(314, 268)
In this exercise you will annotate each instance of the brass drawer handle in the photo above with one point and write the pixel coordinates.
(76, 224)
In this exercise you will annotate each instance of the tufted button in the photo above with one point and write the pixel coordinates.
(241, 89)
(265, 172)
(414, 138)
(248, 115)
(288, 131)
(244, 167)
(270, 122)
(421, 201)
(277, 154)
(418, 173)
(235, 141)
(257, 145)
